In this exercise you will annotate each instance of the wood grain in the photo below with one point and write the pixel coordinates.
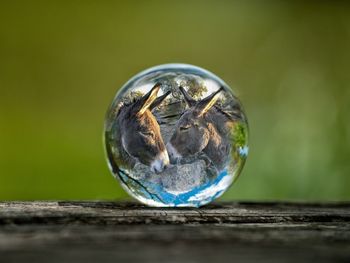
(92, 231)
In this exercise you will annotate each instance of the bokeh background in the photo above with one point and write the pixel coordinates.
(61, 63)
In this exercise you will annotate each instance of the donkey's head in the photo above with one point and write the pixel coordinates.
(192, 132)
(140, 132)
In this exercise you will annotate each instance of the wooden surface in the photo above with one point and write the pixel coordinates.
(129, 232)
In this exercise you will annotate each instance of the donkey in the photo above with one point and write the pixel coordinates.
(203, 128)
(139, 133)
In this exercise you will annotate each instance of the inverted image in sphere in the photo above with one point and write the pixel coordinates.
(176, 135)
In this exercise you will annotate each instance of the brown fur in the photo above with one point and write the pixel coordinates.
(203, 128)
(139, 136)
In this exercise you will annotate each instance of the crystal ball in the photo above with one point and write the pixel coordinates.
(176, 135)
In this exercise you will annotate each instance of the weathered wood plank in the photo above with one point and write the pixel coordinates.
(130, 213)
(110, 231)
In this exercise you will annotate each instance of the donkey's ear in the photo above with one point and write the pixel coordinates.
(190, 101)
(145, 102)
(209, 101)
(159, 100)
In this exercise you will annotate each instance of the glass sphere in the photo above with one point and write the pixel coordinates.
(176, 135)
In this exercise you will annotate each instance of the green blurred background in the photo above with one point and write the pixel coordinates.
(63, 61)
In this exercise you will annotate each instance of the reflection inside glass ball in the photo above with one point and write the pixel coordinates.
(176, 135)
